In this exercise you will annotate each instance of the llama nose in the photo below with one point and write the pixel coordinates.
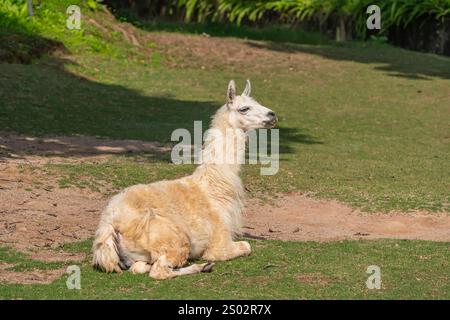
(272, 115)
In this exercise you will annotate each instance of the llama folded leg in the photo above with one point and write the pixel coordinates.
(163, 269)
(194, 268)
(225, 249)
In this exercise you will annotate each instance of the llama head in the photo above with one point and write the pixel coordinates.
(246, 113)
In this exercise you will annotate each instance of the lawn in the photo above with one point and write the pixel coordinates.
(364, 123)
(276, 270)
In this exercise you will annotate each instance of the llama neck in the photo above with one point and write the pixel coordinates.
(223, 153)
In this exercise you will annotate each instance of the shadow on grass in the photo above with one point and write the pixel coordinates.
(19, 43)
(394, 61)
(42, 100)
(289, 136)
(276, 33)
(54, 110)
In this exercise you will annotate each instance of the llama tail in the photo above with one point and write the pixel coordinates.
(105, 249)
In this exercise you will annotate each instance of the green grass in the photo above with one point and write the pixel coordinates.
(121, 172)
(20, 262)
(275, 270)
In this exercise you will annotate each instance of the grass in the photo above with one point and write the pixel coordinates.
(364, 123)
(20, 262)
(276, 270)
(121, 172)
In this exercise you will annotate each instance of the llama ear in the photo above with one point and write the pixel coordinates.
(231, 94)
(248, 89)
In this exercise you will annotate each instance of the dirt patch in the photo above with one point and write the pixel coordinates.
(298, 217)
(4, 265)
(46, 217)
(30, 277)
(56, 256)
(313, 278)
(34, 211)
(76, 148)
(206, 52)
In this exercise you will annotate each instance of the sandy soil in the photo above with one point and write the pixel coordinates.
(300, 218)
(14, 148)
(28, 277)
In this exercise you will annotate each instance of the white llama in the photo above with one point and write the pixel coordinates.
(157, 227)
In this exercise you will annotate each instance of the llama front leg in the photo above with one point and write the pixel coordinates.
(224, 248)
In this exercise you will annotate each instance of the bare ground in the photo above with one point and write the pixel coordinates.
(14, 148)
(44, 217)
(300, 218)
(208, 52)
(28, 277)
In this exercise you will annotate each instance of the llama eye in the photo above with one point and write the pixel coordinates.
(244, 109)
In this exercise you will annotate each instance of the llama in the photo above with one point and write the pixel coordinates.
(155, 228)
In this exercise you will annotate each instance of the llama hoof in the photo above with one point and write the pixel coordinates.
(140, 267)
(245, 247)
(208, 267)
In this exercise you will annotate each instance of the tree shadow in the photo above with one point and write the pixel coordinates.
(274, 33)
(52, 110)
(49, 111)
(80, 147)
(394, 61)
(19, 44)
(289, 136)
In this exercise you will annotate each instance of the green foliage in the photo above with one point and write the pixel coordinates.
(394, 12)
(93, 4)
(14, 16)
(23, 38)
